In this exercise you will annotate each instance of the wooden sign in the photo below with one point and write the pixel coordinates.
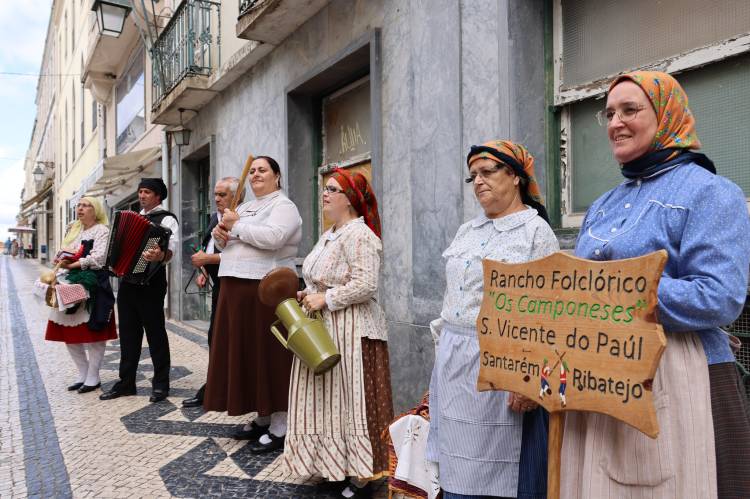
(574, 334)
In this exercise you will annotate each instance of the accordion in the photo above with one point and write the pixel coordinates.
(130, 236)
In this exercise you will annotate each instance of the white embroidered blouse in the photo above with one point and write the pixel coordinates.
(265, 237)
(516, 238)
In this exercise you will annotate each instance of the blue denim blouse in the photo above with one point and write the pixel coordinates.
(702, 221)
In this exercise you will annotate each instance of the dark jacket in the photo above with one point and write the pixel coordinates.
(213, 270)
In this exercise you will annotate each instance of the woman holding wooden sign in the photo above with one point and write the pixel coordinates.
(248, 370)
(673, 200)
(487, 443)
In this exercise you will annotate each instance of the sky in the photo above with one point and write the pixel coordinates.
(23, 28)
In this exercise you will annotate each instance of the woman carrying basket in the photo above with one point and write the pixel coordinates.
(87, 326)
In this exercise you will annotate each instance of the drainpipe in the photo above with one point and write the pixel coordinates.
(166, 174)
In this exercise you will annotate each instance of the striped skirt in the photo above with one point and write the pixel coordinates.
(482, 447)
(604, 458)
(335, 419)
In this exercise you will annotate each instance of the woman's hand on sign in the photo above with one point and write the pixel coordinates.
(228, 218)
(519, 403)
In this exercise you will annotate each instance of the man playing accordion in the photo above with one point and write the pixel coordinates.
(140, 305)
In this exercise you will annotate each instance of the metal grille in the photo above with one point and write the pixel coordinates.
(189, 45)
(246, 5)
(741, 329)
(603, 37)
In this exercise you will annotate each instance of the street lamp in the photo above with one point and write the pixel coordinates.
(181, 134)
(38, 174)
(40, 170)
(110, 15)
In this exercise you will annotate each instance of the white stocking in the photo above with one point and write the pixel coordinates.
(78, 353)
(96, 355)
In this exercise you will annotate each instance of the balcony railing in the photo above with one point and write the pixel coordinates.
(189, 45)
(246, 5)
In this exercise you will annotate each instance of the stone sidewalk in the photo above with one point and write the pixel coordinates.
(55, 443)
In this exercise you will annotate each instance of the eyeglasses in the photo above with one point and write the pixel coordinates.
(626, 114)
(485, 173)
(331, 189)
(82, 205)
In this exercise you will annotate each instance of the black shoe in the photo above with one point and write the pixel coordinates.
(117, 392)
(254, 433)
(89, 388)
(74, 387)
(274, 444)
(326, 487)
(192, 402)
(157, 395)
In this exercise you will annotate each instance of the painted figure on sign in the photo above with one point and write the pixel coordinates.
(546, 371)
(564, 370)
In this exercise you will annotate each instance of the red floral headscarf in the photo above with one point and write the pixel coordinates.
(360, 194)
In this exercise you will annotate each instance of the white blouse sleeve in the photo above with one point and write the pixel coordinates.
(98, 255)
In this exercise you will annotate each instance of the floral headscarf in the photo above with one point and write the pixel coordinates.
(676, 122)
(675, 136)
(360, 194)
(521, 161)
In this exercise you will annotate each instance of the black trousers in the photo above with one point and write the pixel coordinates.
(141, 308)
(214, 304)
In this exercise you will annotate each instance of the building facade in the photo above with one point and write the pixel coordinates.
(399, 90)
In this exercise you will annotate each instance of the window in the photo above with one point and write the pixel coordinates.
(82, 101)
(94, 112)
(73, 120)
(705, 47)
(65, 132)
(346, 134)
(73, 27)
(131, 122)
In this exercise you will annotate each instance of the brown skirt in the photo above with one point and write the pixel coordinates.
(378, 400)
(248, 369)
(731, 430)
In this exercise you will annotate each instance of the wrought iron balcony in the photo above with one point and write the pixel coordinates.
(246, 5)
(271, 21)
(190, 45)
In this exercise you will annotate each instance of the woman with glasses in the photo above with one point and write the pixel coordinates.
(671, 199)
(488, 444)
(86, 327)
(336, 419)
(248, 370)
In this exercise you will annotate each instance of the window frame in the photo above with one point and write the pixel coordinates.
(563, 98)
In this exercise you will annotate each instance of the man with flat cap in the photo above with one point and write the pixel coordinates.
(141, 306)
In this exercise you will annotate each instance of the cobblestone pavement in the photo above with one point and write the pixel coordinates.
(55, 443)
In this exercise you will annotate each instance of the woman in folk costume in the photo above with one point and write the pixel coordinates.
(87, 326)
(671, 199)
(488, 444)
(335, 419)
(248, 370)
